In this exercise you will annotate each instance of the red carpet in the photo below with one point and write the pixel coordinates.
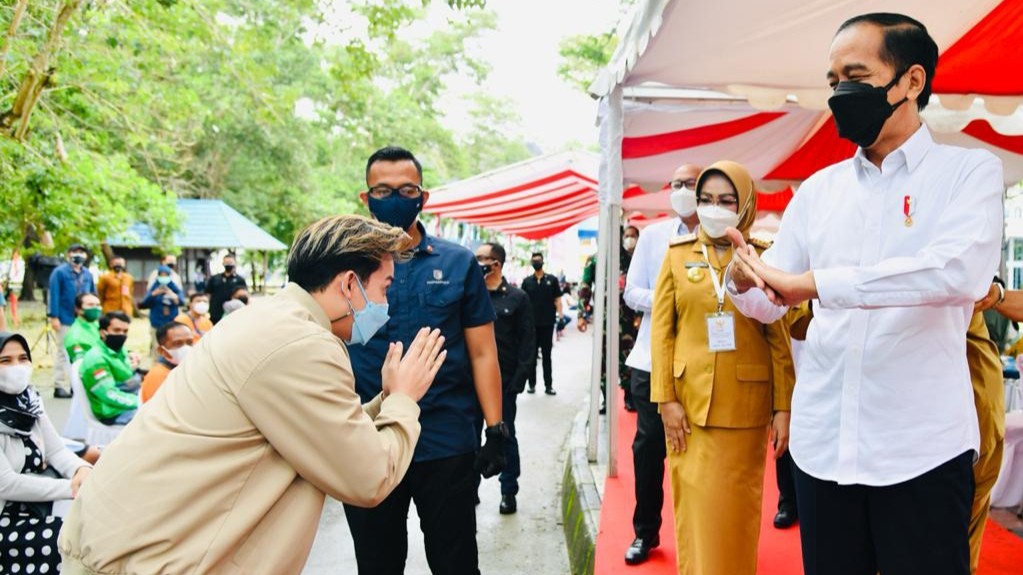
(1001, 554)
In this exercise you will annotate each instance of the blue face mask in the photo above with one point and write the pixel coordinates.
(396, 209)
(368, 319)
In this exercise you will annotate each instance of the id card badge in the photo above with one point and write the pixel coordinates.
(721, 331)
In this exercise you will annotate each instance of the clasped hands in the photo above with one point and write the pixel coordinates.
(676, 428)
(749, 271)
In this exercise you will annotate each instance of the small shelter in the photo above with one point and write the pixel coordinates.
(208, 226)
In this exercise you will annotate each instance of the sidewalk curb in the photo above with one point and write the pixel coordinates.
(580, 501)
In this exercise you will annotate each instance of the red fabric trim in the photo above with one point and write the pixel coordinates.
(643, 146)
(533, 212)
(985, 60)
(774, 202)
(440, 202)
(554, 198)
(983, 131)
(823, 149)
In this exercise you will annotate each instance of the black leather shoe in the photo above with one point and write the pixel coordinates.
(508, 505)
(61, 393)
(531, 389)
(550, 391)
(639, 551)
(785, 518)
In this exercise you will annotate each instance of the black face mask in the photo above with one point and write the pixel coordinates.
(228, 269)
(78, 259)
(118, 269)
(396, 210)
(537, 266)
(115, 342)
(861, 110)
(486, 269)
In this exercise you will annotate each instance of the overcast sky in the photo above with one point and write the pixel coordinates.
(523, 52)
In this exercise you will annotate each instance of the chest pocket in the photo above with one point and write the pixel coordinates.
(441, 304)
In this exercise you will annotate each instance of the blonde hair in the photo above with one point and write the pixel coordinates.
(336, 244)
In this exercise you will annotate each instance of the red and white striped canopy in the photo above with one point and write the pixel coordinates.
(744, 80)
(533, 199)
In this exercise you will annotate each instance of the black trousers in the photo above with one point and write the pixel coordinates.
(544, 341)
(513, 468)
(783, 472)
(648, 453)
(918, 527)
(444, 492)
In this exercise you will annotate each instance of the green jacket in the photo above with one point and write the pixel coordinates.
(102, 369)
(80, 338)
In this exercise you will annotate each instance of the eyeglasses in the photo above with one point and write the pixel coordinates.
(381, 191)
(678, 184)
(728, 201)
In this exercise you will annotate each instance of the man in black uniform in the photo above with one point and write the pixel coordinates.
(515, 354)
(545, 295)
(222, 286)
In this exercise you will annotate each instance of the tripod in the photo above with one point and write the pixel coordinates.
(48, 334)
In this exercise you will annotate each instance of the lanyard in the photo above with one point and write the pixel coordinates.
(719, 288)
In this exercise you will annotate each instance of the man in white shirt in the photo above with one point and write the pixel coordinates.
(895, 244)
(648, 447)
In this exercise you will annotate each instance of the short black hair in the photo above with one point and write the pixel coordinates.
(906, 43)
(393, 154)
(163, 330)
(536, 255)
(496, 251)
(80, 298)
(78, 247)
(107, 318)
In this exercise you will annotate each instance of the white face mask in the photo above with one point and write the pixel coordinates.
(714, 220)
(683, 201)
(629, 243)
(201, 307)
(178, 355)
(14, 379)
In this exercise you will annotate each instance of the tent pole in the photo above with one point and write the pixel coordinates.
(598, 290)
(614, 177)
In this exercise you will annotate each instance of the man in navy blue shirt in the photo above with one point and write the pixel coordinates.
(66, 281)
(441, 287)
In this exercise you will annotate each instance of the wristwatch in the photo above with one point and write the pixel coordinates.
(499, 428)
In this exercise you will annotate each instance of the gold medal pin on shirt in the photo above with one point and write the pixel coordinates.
(908, 207)
(695, 271)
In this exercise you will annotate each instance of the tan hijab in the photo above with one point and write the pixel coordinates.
(743, 184)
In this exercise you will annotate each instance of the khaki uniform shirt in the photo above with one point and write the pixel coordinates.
(734, 389)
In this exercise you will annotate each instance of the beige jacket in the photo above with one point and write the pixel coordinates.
(225, 469)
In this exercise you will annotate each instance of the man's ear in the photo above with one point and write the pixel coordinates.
(917, 81)
(364, 196)
(426, 198)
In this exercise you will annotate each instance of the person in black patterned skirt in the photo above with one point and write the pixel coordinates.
(36, 468)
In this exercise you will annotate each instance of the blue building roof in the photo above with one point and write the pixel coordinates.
(210, 224)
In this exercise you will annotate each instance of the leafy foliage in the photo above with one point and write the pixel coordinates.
(271, 106)
(582, 57)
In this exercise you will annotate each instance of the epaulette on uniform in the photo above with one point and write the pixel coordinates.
(685, 239)
(760, 242)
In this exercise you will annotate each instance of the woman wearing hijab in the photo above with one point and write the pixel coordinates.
(36, 468)
(720, 380)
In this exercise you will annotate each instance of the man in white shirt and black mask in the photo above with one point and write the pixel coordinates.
(895, 244)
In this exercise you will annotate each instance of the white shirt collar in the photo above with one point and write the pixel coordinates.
(909, 154)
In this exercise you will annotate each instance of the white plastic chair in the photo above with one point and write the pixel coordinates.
(96, 432)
